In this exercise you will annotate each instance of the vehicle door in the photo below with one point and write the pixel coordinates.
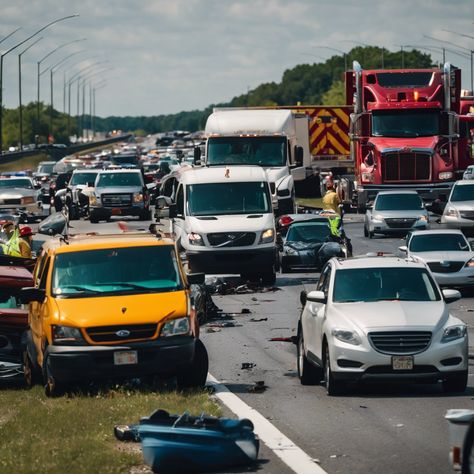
(311, 316)
(179, 221)
(321, 313)
(38, 310)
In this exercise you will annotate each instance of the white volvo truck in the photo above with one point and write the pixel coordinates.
(276, 140)
(223, 219)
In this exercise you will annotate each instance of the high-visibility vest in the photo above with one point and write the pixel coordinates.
(335, 225)
(12, 247)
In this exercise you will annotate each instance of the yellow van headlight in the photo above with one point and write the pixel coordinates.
(176, 327)
(67, 336)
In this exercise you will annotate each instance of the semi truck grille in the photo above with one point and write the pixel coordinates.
(400, 223)
(124, 332)
(403, 342)
(445, 267)
(467, 214)
(406, 167)
(116, 200)
(231, 239)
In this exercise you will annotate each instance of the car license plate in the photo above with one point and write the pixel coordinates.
(402, 363)
(125, 357)
(116, 211)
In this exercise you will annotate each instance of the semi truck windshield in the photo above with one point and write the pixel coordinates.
(405, 123)
(261, 151)
(213, 199)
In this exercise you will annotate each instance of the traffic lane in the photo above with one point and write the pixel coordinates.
(399, 428)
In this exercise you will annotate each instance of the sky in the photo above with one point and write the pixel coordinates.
(157, 57)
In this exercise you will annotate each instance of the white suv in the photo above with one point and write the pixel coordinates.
(380, 318)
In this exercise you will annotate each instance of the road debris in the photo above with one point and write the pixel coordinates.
(259, 387)
(225, 324)
(255, 320)
(247, 365)
(212, 330)
(292, 339)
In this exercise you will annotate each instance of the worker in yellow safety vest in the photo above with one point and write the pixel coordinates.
(12, 245)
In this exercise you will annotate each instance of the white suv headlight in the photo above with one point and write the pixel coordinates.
(176, 327)
(267, 236)
(195, 239)
(345, 335)
(452, 333)
(452, 212)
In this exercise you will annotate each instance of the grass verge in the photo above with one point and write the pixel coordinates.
(74, 434)
(29, 162)
(313, 202)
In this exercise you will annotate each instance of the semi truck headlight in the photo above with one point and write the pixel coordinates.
(267, 236)
(67, 336)
(176, 327)
(195, 239)
(452, 333)
(445, 175)
(367, 177)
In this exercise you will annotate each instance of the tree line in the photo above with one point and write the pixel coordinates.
(306, 84)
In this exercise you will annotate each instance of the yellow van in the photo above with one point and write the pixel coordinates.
(112, 306)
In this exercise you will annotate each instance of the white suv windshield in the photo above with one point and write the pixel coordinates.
(387, 283)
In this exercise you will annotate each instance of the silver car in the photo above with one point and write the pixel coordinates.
(459, 210)
(395, 212)
(469, 173)
(448, 254)
(20, 194)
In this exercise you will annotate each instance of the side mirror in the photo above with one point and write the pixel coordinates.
(196, 278)
(54, 224)
(163, 201)
(317, 297)
(197, 155)
(450, 296)
(403, 249)
(173, 211)
(303, 297)
(299, 155)
(27, 295)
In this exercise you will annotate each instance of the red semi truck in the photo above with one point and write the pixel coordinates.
(405, 132)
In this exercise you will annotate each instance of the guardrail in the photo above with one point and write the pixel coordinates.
(57, 153)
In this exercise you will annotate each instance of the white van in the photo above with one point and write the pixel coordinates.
(223, 218)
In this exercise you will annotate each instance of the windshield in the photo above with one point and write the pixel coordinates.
(398, 202)
(463, 193)
(262, 151)
(439, 242)
(15, 183)
(150, 269)
(48, 169)
(119, 179)
(122, 159)
(390, 283)
(83, 178)
(405, 123)
(308, 233)
(212, 199)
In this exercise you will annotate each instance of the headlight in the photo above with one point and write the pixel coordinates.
(470, 264)
(93, 199)
(423, 218)
(290, 251)
(452, 212)
(67, 336)
(27, 200)
(452, 333)
(267, 236)
(445, 175)
(367, 177)
(175, 327)
(345, 335)
(377, 217)
(137, 197)
(195, 239)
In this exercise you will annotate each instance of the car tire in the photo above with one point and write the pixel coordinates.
(93, 219)
(371, 234)
(285, 268)
(333, 386)
(269, 277)
(52, 387)
(307, 372)
(31, 373)
(195, 375)
(455, 383)
(145, 215)
(366, 231)
(74, 213)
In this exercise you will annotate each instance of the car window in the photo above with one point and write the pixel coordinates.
(438, 243)
(463, 193)
(398, 202)
(180, 201)
(323, 283)
(44, 275)
(388, 283)
(309, 233)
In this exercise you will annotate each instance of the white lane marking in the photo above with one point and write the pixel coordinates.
(293, 456)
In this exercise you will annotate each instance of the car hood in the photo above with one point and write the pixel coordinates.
(120, 309)
(230, 223)
(298, 245)
(462, 205)
(386, 144)
(391, 315)
(118, 190)
(443, 256)
(400, 214)
(12, 193)
(275, 175)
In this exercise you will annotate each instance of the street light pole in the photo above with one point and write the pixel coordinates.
(19, 92)
(1, 68)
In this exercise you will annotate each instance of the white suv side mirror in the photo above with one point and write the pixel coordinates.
(403, 249)
(316, 297)
(450, 296)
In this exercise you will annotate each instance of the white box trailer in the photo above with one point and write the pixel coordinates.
(276, 140)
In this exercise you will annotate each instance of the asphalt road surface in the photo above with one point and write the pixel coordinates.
(371, 429)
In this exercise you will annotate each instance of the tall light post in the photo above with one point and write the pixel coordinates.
(94, 90)
(1, 67)
(38, 75)
(339, 51)
(20, 110)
